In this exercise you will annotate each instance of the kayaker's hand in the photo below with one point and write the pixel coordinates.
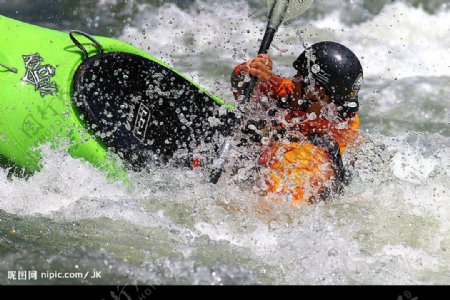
(260, 66)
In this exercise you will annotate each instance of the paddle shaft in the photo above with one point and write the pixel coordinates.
(226, 146)
(265, 44)
(274, 21)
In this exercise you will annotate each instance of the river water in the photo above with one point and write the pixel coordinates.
(390, 226)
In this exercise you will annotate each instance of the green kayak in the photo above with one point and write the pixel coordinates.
(109, 102)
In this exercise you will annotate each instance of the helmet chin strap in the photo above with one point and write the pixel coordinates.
(307, 85)
(305, 104)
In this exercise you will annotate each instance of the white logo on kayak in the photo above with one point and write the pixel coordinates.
(39, 75)
(142, 121)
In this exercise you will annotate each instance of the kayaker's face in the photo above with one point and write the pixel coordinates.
(311, 92)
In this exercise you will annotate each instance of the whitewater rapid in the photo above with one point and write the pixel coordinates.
(169, 226)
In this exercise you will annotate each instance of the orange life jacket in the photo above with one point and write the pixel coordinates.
(306, 167)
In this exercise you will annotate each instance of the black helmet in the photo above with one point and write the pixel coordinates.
(335, 67)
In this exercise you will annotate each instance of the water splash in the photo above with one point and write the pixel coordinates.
(391, 224)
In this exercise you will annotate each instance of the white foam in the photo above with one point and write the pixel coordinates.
(62, 181)
(391, 225)
(410, 166)
(401, 41)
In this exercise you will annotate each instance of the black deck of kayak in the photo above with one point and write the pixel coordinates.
(138, 107)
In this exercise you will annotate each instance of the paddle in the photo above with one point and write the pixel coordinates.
(280, 10)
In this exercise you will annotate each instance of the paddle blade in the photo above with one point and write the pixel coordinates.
(295, 8)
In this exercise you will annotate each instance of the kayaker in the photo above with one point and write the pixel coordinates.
(310, 120)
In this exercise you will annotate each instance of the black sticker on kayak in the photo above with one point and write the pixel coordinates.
(39, 75)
